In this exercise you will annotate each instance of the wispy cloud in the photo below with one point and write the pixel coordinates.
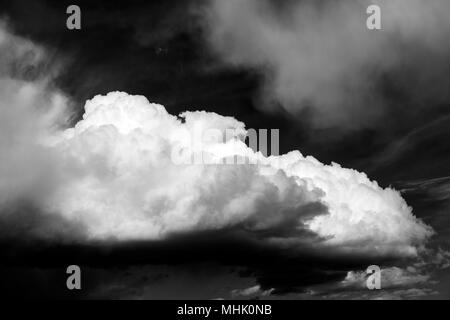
(319, 55)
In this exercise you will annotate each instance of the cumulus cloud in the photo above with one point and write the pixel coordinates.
(390, 278)
(409, 282)
(319, 55)
(124, 184)
(405, 282)
(251, 292)
(113, 176)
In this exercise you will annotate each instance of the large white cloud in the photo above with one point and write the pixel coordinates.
(124, 184)
(127, 185)
(113, 174)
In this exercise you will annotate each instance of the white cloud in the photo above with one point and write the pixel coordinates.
(127, 187)
(251, 292)
(391, 277)
(113, 174)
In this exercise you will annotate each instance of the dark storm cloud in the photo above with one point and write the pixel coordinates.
(240, 254)
(21, 222)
